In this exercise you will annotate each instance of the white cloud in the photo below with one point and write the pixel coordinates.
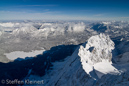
(124, 17)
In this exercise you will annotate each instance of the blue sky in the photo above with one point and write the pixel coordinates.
(64, 9)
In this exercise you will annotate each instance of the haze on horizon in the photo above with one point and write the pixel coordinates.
(64, 9)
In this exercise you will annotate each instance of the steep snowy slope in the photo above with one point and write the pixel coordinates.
(87, 65)
(67, 73)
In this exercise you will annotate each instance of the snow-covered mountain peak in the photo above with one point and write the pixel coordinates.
(106, 23)
(24, 30)
(97, 48)
(97, 53)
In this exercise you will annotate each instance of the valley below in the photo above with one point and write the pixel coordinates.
(64, 53)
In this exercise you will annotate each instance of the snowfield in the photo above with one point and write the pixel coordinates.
(105, 67)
